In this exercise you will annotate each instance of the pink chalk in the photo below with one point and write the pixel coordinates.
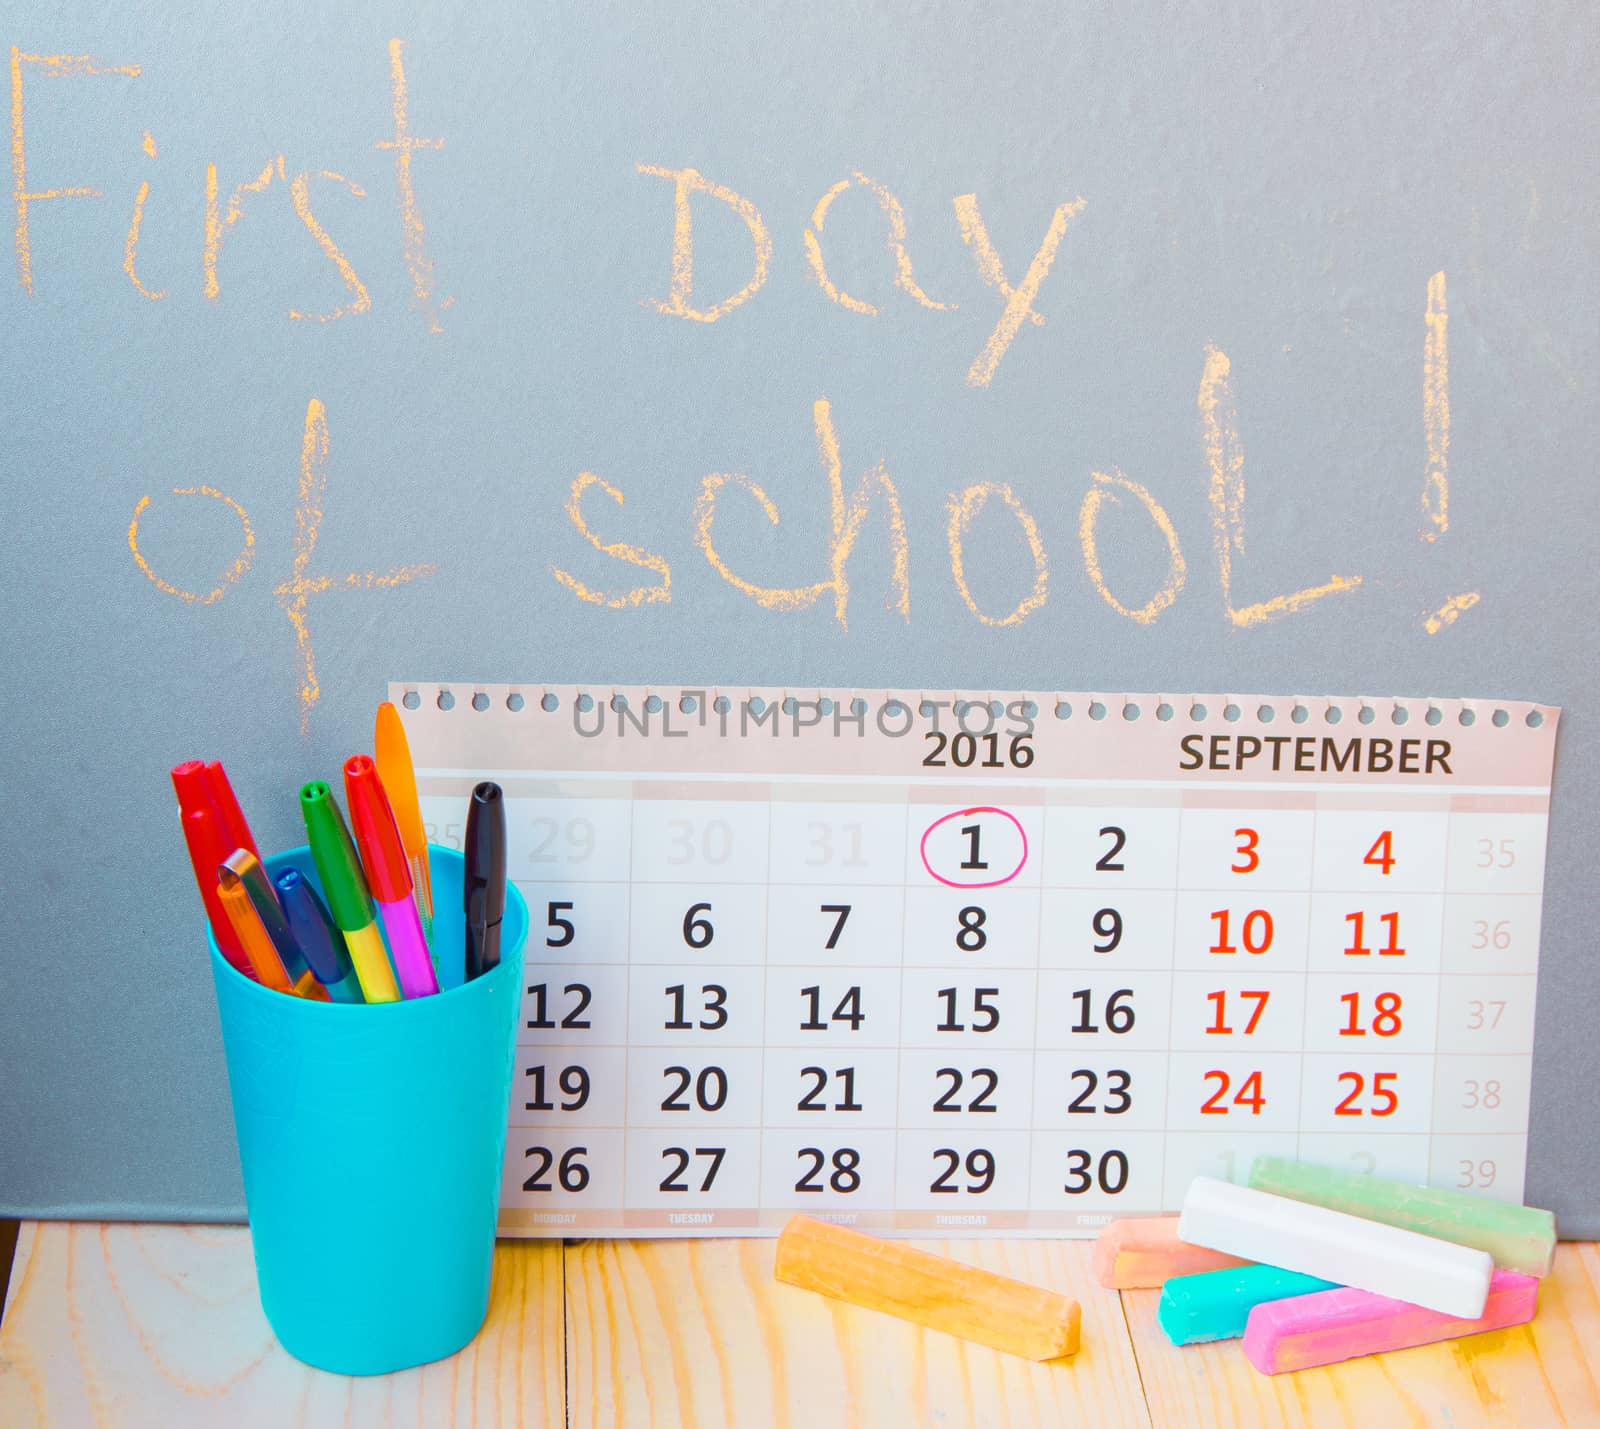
(1143, 1253)
(1333, 1325)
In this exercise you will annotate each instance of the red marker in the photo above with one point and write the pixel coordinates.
(227, 804)
(383, 855)
(210, 844)
(190, 784)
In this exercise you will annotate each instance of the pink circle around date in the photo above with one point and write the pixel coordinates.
(967, 814)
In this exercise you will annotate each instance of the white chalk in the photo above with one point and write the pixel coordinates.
(1404, 1265)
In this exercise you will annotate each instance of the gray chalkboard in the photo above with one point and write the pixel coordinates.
(318, 315)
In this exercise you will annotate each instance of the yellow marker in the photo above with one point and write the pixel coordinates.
(392, 754)
(371, 962)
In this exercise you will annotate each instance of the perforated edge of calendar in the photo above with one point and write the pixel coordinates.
(1455, 743)
(1047, 762)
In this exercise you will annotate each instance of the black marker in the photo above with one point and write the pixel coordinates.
(484, 892)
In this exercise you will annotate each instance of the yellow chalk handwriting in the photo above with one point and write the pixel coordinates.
(705, 515)
(1018, 300)
(1450, 612)
(847, 520)
(359, 302)
(241, 562)
(687, 182)
(1436, 412)
(1105, 487)
(904, 278)
(219, 221)
(56, 66)
(1219, 421)
(617, 550)
(130, 249)
(294, 593)
(962, 509)
(414, 236)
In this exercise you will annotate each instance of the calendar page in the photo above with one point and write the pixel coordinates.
(931, 962)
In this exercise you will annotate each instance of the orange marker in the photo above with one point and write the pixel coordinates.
(309, 987)
(392, 754)
(251, 932)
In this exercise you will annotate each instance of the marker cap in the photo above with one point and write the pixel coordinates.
(383, 855)
(335, 857)
(392, 754)
(244, 866)
(190, 784)
(258, 944)
(484, 892)
(320, 942)
(227, 803)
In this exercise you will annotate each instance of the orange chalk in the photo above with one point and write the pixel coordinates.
(1144, 1253)
(927, 1290)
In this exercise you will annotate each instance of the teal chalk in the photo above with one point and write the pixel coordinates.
(371, 1142)
(1215, 1304)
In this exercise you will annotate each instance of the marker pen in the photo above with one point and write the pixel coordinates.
(392, 754)
(241, 912)
(227, 803)
(484, 885)
(242, 865)
(320, 942)
(348, 899)
(208, 846)
(383, 856)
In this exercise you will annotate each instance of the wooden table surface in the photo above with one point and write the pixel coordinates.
(113, 1325)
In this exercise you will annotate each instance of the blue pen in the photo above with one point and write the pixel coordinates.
(320, 942)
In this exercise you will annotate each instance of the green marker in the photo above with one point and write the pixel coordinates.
(1518, 1237)
(346, 891)
(1215, 1304)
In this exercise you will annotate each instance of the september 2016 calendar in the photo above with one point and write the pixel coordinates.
(937, 962)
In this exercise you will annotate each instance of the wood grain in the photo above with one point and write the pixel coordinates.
(118, 1325)
(700, 1334)
(1546, 1373)
(135, 1325)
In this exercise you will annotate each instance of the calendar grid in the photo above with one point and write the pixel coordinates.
(1167, 1105)
(1438, 1016)
(1305, 1017)
(900, 993)
(1219, 965)
(1038, 1005)
(765, 991)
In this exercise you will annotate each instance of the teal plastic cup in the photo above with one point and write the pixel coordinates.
(371, 1140)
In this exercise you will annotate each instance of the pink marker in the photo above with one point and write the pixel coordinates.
(383, 855)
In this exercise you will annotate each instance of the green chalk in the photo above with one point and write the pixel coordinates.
(1215, 1304)
(1518, 1237)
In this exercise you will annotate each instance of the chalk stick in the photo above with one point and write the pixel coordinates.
(1216, 1304)
(1335, 1325)
(1452, 1279)
(1518, 1237)
(927, 1290)
(1142, 1253)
